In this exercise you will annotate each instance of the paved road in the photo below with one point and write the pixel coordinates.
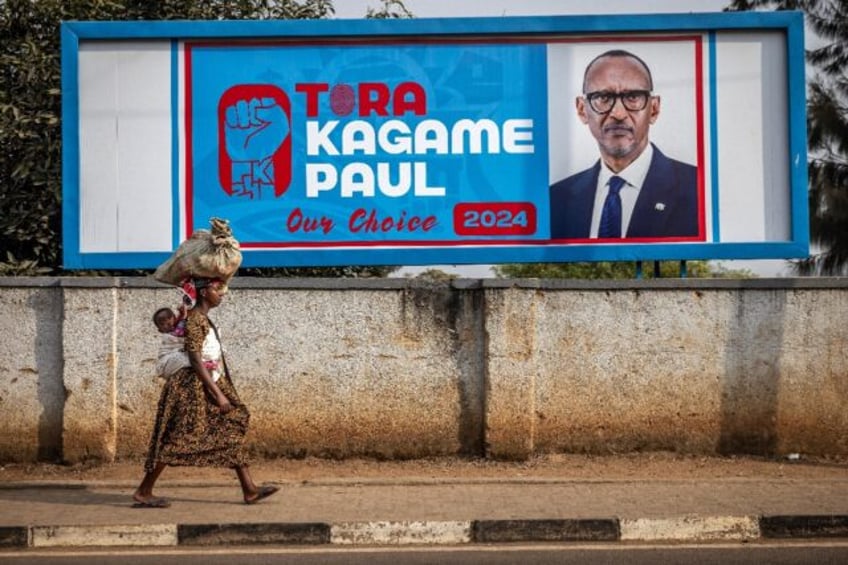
(773, 553)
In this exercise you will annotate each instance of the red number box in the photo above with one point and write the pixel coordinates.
(494, 218)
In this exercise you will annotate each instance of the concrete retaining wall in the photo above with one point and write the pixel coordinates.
(402, 368)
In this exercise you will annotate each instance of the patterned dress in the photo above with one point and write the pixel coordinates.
(190, 428)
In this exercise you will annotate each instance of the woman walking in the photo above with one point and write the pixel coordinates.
(200, 419)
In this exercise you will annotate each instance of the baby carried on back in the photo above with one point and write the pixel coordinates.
(172, 355)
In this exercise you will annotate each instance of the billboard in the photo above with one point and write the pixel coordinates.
(415, 142)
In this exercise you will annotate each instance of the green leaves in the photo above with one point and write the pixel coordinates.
(30, 134)
(391, 9)
(615, 270)
(827, 128)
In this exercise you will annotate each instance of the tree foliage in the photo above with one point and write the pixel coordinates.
(435, 275)
(615, 270)
(30, 112)
(391, 9)
(827, 129)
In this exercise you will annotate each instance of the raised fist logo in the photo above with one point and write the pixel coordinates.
(254, 141)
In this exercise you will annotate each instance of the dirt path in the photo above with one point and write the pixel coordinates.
(644, 466)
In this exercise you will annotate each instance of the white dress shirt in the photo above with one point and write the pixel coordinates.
(634, 176)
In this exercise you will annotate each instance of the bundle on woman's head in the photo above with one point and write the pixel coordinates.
(204, 258)
(206, 254)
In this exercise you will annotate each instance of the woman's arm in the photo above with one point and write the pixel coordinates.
(203, 373)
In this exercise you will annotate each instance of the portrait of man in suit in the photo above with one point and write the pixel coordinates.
(634, 190)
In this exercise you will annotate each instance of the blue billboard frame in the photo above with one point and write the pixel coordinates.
(790, 23)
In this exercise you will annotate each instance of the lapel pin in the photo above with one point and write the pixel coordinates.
(659, 206)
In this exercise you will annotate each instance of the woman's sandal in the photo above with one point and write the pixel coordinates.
(152, 503)
(264, 492)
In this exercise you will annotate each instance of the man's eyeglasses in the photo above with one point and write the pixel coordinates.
(603, 101)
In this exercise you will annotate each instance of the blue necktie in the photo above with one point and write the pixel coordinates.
(611, 215)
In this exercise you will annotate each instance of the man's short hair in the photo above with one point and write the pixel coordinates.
(618, 53)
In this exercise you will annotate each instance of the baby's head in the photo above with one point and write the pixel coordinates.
(165, 320)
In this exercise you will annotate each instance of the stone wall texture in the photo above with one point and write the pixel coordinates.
(399, 368)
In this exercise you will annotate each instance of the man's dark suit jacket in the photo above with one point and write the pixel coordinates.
(667, 205)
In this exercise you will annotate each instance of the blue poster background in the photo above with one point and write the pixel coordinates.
(497, 82)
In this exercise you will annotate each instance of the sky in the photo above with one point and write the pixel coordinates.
(467, 8)
(499, 8)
